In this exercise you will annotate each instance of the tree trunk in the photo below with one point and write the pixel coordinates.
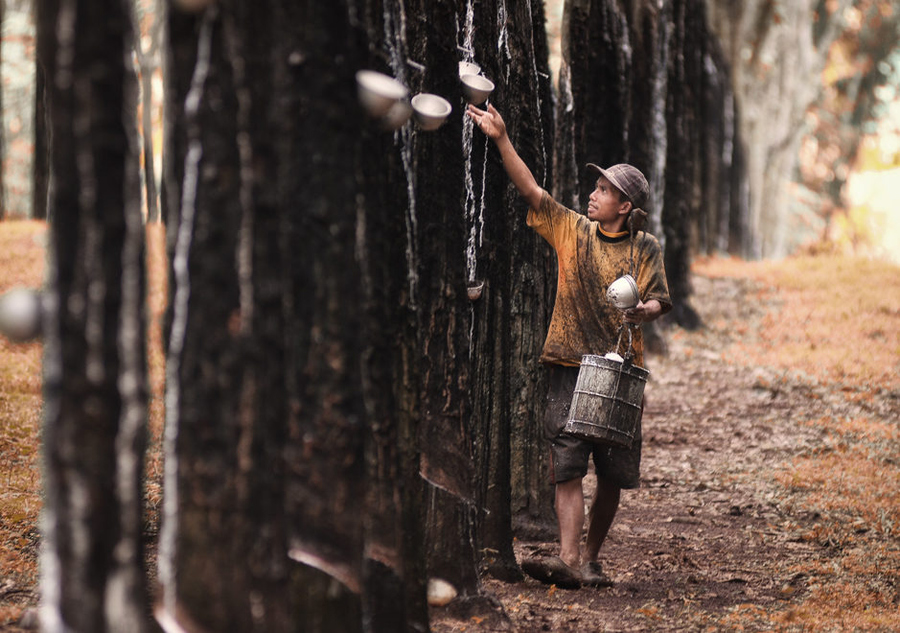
(446, 426)
(281, 272)
(681, 207)
(595, 95)
(529, 298)
(773, 48)
(510, 319)
(325, 450)
(223, 552)
(41, 140)
(206, 435)
(95, 376)
(638, 84)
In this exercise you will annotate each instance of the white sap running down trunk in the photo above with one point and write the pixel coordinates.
(395, 39)
(169, 530)
(474, 205)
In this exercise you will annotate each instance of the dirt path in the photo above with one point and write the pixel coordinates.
(713, 540)
(710, 536)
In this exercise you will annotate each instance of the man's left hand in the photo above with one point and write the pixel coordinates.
(643, 312)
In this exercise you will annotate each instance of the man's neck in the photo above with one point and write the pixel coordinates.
(615, 229)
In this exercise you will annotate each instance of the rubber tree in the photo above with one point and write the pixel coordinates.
(646, 84)
(92, 574)
(309, 242)
(510, 317)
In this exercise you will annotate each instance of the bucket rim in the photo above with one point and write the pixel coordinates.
(595, 360)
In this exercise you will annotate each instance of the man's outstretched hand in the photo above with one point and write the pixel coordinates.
(488, 121)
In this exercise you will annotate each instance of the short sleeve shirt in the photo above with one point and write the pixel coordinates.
(584, 321)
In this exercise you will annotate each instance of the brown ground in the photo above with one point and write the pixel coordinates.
(713, 540)
(710, 541)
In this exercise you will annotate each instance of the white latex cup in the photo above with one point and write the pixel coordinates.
(476, 88)
(469, 68)
(20, 315)
(430, 110)
(378, 92)
(396, 117)
(623, 293)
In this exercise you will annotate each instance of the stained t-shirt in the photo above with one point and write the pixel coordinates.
(584, 321)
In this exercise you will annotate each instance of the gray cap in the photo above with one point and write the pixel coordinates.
(629, 180)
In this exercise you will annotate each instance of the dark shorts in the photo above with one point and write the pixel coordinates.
(569, 454)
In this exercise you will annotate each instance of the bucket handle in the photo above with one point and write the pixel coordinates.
(629, 352)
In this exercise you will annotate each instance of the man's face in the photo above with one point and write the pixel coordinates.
(606, 206)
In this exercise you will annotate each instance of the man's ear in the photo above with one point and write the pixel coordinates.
(625, 207)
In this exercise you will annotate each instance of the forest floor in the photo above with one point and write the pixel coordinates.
(769, 497)
(770, 472)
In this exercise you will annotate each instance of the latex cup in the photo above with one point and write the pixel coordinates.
(476, 88)
(430, 110)
(623, 293)
(378, 93)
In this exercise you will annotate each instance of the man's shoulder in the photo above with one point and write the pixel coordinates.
(549, 203)
(551, 210)
(647, 238)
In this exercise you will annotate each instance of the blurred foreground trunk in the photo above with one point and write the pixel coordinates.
(94, 367)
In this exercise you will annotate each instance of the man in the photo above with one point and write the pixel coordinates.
(592, 252)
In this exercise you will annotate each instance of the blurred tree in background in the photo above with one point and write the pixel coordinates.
(860, 83)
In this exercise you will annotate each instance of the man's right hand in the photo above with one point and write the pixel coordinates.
(491, 123)
(488, 121)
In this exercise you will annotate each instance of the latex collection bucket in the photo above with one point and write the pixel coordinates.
(606, 404)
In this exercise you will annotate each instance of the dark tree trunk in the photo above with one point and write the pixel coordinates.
(326, 492)
(644, 84)
(206, 435)
(715, 163)
(178, 52)
(281, 274)
(95, 376)
(223, 553)
(529, 298)
(683, 159)
(41, 164)
(510, 319)
(595, 95)
(739, 229)
(443, 311)
(647, 128)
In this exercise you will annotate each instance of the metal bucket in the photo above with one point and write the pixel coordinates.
(606, 405)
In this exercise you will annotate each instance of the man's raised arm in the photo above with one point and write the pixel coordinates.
(491, 123)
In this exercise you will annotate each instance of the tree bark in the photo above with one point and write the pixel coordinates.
(95, 375)
(325, 450)
(510, 319)
(206, 435)
(313, 443)
(41, 140)
(682, 188)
